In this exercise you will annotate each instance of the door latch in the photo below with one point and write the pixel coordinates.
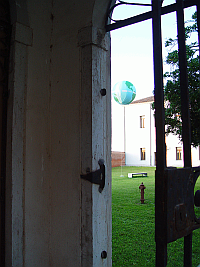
(96, 177)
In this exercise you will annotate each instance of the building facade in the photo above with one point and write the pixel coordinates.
(140, 138)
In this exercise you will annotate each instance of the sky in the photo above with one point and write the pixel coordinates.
(132, 58)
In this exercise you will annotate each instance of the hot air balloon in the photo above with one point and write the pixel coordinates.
(124, 92)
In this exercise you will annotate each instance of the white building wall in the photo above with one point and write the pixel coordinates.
(172, 143)
(137, 138)
(117, 127)
(195, 156)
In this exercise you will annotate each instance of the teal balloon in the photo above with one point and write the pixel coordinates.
(124, 92)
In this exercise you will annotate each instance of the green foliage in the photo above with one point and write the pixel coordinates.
(133, 223)
(172, 87)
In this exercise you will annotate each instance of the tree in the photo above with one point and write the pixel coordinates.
(172, 86)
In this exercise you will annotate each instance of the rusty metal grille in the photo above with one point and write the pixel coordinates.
(174, 188)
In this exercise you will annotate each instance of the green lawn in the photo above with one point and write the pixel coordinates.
(133, 223)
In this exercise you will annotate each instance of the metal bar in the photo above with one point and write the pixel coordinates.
(198, 25)
(161, 254)
(188, 250)
(186, 129)
(129, 21)
(134, 4)
(147, 15)
(159, 93)
(160, 214)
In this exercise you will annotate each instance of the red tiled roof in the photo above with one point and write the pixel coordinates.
(143, 100)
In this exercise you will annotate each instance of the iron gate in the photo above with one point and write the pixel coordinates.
(174, 188)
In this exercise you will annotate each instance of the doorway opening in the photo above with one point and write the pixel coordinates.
(125, 66)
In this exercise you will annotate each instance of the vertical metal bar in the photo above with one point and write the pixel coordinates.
(188, 250)
(158, 83)
(198, 25)
(160, 214)
(150, 127)
(186, 130)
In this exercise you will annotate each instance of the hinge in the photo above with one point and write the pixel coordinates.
(96, 177)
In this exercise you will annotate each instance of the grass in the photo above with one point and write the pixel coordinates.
(133, 223)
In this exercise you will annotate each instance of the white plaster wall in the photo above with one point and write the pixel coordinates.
(117, 127)
(195, 156)
(137, 137)
(37, 169)
(65, 135)
(172, 142)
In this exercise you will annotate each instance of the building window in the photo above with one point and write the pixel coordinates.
(178, 153)
(142, 118)
(142, 153)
